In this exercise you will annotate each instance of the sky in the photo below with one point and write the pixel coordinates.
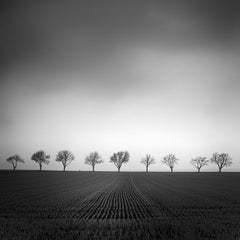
(157, 77)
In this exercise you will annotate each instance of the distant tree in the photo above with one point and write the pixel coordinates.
(92, 159)
(14, 160)
(170, 160)
(119, 158)
(222, 160)
(147, 161)
(41, 158)
(65, 157)
(199, 162)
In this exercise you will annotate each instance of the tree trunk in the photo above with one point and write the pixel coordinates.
(146, 169)
(40, 167)
(64, 168)
(220, 170)
(118, 169)
(198, 170)
(93, 168)
(171, 169)
(14, 166)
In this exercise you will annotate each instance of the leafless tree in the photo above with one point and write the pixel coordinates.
(65, 157)
(147, 161)
(14, 160)
(92, 159)
(119, 158)
(170, 160)
(222, 160)
(199, 162)
(41, 158)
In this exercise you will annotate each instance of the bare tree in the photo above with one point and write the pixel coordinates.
(222, 160)
(199, 162)
(119, 158)
(170, 160)
(14, 160)
(147, 161)
(92, 159)
(41, 158)
(65, 157)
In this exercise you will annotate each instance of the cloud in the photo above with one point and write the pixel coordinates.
(124, 74)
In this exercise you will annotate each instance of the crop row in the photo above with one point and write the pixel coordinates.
(103, 205)
(119, 200)
(109, 196)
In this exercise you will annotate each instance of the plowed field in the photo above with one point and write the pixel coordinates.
(107, 205)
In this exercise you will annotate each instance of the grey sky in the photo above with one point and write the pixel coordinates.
(153, 77)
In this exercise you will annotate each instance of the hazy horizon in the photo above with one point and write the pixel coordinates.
(153, 77)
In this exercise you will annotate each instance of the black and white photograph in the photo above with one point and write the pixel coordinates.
(120, 119)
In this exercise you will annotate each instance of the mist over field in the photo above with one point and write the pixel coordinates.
(154, 77)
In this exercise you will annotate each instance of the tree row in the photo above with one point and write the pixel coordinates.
(65, 157)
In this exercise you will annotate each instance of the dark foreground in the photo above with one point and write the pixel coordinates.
(104, 205)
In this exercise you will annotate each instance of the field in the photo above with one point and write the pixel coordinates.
(107, 205)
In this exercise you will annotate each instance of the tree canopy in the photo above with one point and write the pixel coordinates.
(199, 162)
(119, 158)
(92, 159)
(14, 160)
(41, 158)
(147, 161)
(222, 160)
(170, 160)
(65, 157)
